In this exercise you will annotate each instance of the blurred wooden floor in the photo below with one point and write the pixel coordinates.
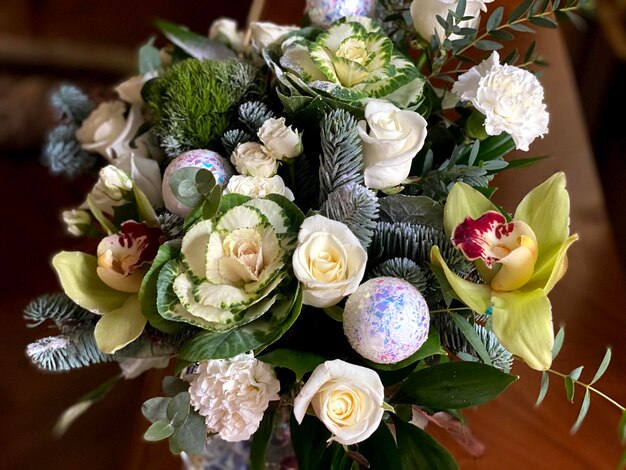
(517, 435)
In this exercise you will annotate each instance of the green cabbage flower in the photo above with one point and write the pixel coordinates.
(520, 261)
(351, 61)
(230, 266)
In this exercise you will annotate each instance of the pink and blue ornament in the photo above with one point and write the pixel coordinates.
(324, 12)
(386, 320)
(220, 167)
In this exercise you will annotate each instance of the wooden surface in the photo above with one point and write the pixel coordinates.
(589, 300)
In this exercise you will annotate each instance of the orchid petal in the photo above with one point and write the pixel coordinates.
(552, 269)
(464, 201)
(475, 296)
(80, 281)
(120, 327)
(546, 210)
(517, 267)
(522, 322)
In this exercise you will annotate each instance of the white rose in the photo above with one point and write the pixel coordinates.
(111, 189)
(424, 14)
(391, 138)
(510, 98)
(232, 394)
(107, 131)
(252, 159)
(265, 34)
(254, 186)
(329, 261)
(348, 399)
(145, 173)
(281, 141)
(77, 221)
(130, 90)
(225, 31)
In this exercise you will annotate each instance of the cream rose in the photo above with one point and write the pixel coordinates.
(233, 394)
(424, 14)
(108, 132)
(329, 261)
(282, 142)
(265, 34)
(510, 98)
(391, 138)
(225, 31)
(130, 90)
(252, 159)
(348, 399)
(254, 186)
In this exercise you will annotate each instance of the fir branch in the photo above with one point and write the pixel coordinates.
(58, 308)
(437, 184)
(304, 182)
(234, 137)
(171, 225)
(70, 102)
(253, 114)
(63, 154)
(403, 268)
(357, 207)
(341, 161)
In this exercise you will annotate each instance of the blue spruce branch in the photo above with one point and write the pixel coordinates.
(234, 137)
(253, 114)
(63, 154)
(71, 102)
(403, 268)
(58, 308)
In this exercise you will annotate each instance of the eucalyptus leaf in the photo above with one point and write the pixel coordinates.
(519, 10)
(158, 431)
(569, 389)
(584, 408)
(495, 19)
(575, 374)
(603, 366)
(196, 45)
(543, 389)
(542, 21)
(300, 362)
(149, 57)
(178, 409)
(522, 28)
(192, 435)
(172, 386)
(155, 409)
(453, 385)
(558, 342)
(487, 45)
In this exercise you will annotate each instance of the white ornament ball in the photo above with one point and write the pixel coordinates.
(324, 12)
(386, 320)
(220, 167)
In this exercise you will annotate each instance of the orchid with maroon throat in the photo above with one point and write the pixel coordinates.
(520, 261)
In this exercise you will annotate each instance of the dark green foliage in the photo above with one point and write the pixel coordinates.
(193, 101)
(253, 114)
(305, 182)
(357, 207)
(341, 161)
(63, 155)
(403, 268)
(171, 225)
(71, 103)
(234, 137)
(437, 184)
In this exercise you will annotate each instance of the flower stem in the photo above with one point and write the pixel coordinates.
(446, 310)
(589, 387)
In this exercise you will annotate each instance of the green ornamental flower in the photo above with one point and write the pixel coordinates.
(351, 61)
(230, 266)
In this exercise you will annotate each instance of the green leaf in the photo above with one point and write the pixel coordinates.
(575, 374)
(189, 185)
(524, 162)
(178, 409)
(453, 385)
(380, 449)
(495, 19)
(542, 21)
(519, 10)
(603, 366)
(558, 342)
(155, 409)
(149, 57)
(472, 336)
(212, 203)
(309, 441)
(583, 412)
(260, 440)
(431, 347)
(145, 209)
(501, 35)
(486, 45)
(417, 449)
(172, 386)
(420, 210)
(621, 428)
(196, 45)
(569, 389)
(299, 362)
(622, 462)
(522, 28)
(211, 345)
(159, 431)
(191, 436)
(100, 217)
(543, 390)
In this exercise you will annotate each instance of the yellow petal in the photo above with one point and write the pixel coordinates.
(517, 267)
(464, 201)
(120, 327)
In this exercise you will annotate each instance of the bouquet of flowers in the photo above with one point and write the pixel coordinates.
(296, 222)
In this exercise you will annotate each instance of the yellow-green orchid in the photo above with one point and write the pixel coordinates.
(108, 284)
(520, 261)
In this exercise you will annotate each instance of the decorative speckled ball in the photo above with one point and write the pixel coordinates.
(386, 320)
(220, 167)
(324, 12)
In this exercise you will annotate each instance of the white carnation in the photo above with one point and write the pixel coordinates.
(510, 98)
(232, 394)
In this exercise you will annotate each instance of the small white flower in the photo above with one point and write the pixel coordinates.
(108, 131)
(329, 261)
(510, 98)
(253, 159)
(424, 14)
(130, 90)
(348, 399)
(77, 221)
(111, 189)
(225, 31)
(391, 138)
(232, 394)
(264, 34)
(254, 186)
(282, 142)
